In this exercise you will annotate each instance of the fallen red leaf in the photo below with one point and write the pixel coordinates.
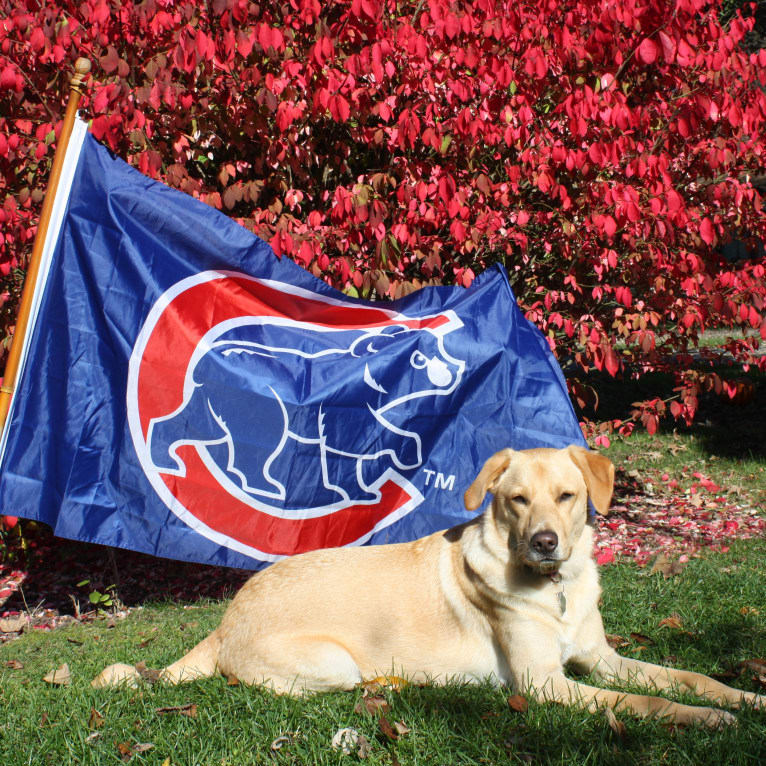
(518, 703)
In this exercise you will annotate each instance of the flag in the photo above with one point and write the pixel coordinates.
(185, 393)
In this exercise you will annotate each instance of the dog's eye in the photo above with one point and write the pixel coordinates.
(565, 497)
(520, 499)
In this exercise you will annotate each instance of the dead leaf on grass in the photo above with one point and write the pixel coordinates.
(15, 624)
(756, 665)
(615, 641)
(148, 674)
(666, 566)
(346, 740)
(127, 749)
(59, 677)
(746, 610)
(401, 728)
(640, 638)
(283, 741)
(387, 729)
(96, 720)
(190, 710)
(376, 685)
(232, 681)
(363, 748)
(14, 664)
(674, 622)
(372, 705)
(615, 724)
(518, 703)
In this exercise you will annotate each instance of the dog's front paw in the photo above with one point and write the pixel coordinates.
(714, 718)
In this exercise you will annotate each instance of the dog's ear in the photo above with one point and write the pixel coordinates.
(487, 478)
(598, 472)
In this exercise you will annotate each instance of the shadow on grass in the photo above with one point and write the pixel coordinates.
(55, 569)
(722, 427)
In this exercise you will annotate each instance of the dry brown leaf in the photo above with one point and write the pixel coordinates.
(386, 728)
(13, 624)
(280, 742)
(746, 610)
(96, 720)
(666, 566)
(124, 749)
(617, 726)
(640, 638)
(148, 674)
(375, 685)
(372, 705)
(59, 677)
(756, 665)
(142, 747)
(190, 710)
(674, 622)
(346, 740)
(363, 749)
(518, 703)
(401, 728)
(14, 664)
(615, 641)
(232, 680)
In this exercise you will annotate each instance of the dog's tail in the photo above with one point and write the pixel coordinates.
(200, 662)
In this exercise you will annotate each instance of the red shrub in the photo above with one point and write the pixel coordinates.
(602, 151)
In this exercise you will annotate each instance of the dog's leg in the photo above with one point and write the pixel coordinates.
(558, 688)
(613, 667)
(533, 667)
(292, 665)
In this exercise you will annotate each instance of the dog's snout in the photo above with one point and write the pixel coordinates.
(544, 542)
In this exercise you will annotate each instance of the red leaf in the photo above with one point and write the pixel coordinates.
(339, 108)
(605, 556)
(609, 225)
(668, 47)
(648, 51)
(706, 231)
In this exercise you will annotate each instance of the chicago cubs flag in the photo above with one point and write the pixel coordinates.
(185, 393)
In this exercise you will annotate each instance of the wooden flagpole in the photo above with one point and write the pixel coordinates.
(81, 69)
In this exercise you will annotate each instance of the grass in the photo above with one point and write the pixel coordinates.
(719, 599)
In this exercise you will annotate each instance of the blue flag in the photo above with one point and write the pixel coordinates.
(186, 393)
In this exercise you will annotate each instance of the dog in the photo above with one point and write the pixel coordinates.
(511, 596)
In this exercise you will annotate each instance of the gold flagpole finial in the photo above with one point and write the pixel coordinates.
(81, 71)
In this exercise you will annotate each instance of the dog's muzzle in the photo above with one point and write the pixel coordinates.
(542, 552)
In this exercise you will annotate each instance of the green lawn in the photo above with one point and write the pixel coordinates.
(718, 598)
(717, 603)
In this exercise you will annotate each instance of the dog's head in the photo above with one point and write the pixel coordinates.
(541, 499)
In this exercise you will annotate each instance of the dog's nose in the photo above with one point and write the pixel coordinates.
(544, 542)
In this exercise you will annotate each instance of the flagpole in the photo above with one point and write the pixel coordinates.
(81, 69)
